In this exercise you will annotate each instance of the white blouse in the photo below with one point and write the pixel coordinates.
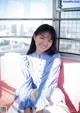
(39, 72)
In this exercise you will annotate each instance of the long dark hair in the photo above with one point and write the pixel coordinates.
(41, 29)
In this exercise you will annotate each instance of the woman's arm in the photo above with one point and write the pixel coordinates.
(27, 81)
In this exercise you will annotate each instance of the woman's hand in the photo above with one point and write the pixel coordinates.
(33, 94)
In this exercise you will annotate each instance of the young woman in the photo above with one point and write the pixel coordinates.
(40, 69)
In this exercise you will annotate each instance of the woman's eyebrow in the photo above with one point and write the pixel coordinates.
(45, 36)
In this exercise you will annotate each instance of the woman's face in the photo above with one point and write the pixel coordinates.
(43, 42)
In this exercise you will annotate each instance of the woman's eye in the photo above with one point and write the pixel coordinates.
(50, 40)
(42, 37)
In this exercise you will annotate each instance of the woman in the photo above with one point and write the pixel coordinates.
(40, 69)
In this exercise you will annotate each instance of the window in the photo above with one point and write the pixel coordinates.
(69, 18)
(18, 21)
(17, 26)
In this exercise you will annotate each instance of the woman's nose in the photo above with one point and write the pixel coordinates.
(45, 42)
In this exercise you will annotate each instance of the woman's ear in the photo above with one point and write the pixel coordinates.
(34, 37)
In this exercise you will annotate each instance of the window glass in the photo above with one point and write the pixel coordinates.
(19, 45)
(70, 3)
(20, 28)
(70, 46)
(69, 27)
(18, 21)
(25, 8)
(15, 36)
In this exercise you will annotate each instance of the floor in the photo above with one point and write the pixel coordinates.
(6, 96)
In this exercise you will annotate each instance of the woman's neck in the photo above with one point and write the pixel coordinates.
(39, 53)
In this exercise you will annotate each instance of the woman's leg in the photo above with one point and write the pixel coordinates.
(27, 110)
(39, 110)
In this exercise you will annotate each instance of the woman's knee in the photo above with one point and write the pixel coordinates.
(27, 110)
